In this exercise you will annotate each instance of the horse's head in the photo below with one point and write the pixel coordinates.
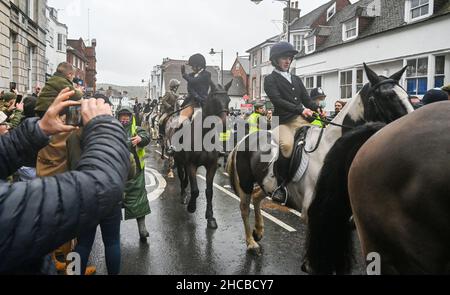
(381, 100)
(218, 102)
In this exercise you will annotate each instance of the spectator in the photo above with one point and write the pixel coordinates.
(12, 110)
(38, 216)
(416, 102)
(447, 89)
(433, 96)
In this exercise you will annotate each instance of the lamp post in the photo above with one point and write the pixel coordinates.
(288, 25)
(213, 52)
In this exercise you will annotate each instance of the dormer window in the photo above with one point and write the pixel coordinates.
(331, 11)
(418, 9)
(350, 30)
(310, 44)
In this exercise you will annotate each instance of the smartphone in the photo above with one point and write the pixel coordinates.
(19, 99)
(12, 86)
(73, 116)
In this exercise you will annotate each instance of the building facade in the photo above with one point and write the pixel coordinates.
(299, 28)
(22, 39)
(91, 67)
(385, 34)
(56, 48)
(156, 82)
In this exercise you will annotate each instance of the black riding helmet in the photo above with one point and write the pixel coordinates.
(281, 49)
(198, 61)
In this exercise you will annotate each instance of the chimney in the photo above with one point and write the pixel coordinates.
(289, 14)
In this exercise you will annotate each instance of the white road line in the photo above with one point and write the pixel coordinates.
(267, 215)
(162, 184)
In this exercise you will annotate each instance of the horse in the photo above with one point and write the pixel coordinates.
(188, 161)
(380, 100)
(395, 181)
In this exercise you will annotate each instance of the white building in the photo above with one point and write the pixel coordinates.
(56, 41)
(385, 34)
(156, 82)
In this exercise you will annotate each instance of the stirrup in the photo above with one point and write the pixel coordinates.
(286, 191)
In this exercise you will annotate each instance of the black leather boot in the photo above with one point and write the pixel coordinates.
(282, 173)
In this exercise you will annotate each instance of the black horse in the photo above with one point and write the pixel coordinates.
(188, 161)
(396, 183)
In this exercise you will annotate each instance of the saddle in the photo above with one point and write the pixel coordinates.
(299, 159)
(293, 170)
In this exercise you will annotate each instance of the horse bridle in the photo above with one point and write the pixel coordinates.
(226, 110)
(373, 100)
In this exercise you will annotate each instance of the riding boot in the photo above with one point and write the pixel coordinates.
(143, 233)
(282, 173)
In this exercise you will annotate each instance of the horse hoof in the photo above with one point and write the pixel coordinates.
(255, 250)
(212, 223)
(256, 237)
(305, 268)
(192, 207)
(171, 175)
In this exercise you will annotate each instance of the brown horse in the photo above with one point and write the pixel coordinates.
(188, 160)
(398, 191)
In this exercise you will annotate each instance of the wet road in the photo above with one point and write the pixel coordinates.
(180, 243)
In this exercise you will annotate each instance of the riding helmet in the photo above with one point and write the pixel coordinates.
(317, 92)
(198, 61)
(282, 49)
(174, 83)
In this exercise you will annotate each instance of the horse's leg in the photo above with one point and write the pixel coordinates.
(183, 182)
(192, 170)
(257, 197)
(170, 174)
(210, 173)
(252, 245)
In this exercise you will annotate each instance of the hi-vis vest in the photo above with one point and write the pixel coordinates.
(140, 151)
(318, 123)
(253, 122)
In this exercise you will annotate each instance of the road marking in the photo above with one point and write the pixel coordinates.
(267, 215)
(162, 184)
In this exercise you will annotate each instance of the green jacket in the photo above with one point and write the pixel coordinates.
(14, 118)
(51, 90)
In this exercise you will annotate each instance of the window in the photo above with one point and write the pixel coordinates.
(440, 72)
(346, 84)
(331, 11)
(263, 91)
(359, 80)
(418, 9)
(310, 44)
(255, 62)
(319, 81)
(254, 88)
(417, 76)
(265, 56)
(60, 42)
(298, 42)
(309, 83)
(350, 30)
(29, 64)
(29, 8)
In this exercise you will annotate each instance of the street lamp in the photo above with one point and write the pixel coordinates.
(213, 52)
(288, 25)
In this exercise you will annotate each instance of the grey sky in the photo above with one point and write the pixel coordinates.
(134, 35)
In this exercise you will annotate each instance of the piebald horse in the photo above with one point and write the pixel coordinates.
(381, 100)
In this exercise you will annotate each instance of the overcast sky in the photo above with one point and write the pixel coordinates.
(135, 35)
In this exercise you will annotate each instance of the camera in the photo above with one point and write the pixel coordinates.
(73, 116)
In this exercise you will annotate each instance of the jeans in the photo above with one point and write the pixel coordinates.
(110, 228)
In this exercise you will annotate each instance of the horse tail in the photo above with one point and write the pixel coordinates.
(232, 170)
(329, 239)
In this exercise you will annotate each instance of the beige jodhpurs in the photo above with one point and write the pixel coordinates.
(284, 135)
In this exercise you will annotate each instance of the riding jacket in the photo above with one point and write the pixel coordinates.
(198, 87)
(289, 98)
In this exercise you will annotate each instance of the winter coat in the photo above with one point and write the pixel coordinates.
(135, 201)
(51, 90)
(168, 102)
(37, 217)
(289, 99)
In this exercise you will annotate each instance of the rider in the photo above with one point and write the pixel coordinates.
(198, 86)
(254, 119)
(168, 103)
(293, 106)
(319, 96)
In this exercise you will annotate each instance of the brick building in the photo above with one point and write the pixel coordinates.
(22, 41)
(76, 56)
(91, 67)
